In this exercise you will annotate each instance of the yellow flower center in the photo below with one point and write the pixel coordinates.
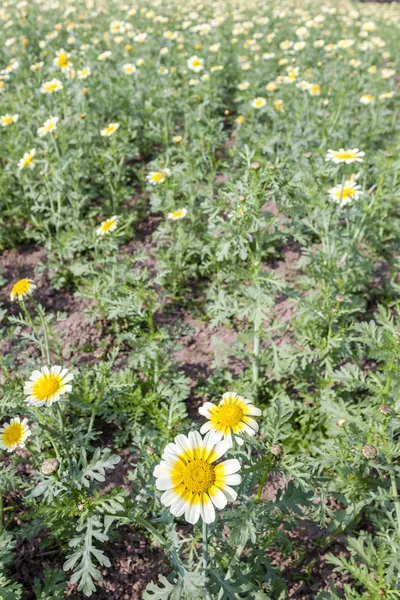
(196, 63)
(198, 476)
(21, 287)
(8, 120)
(13, 434)
(106, 226)
(345, 155)
(51, 87)
(346, 192)
(177, 214)
(229, 415)
(110, 129)
(62, 60)
(47, 386)
(158, 177)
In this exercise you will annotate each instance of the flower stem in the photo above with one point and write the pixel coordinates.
(46, 351)
(393, 484)
(261, 487)
(98, 400)
(256, 353)
(1, 514)
(62, 432)
(205, 558)
(31, 324)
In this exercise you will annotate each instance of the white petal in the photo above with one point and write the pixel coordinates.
(207, 510)
(234, 479)
(232, 465)
(195, 439)
(182, 442)
(205, 409)
(178, 506)
(218, 497)
(221, 448)
(205, 428)
(253, 410)
(252, 423)
(164, 483)
(230, 493)
(193, 514)
(168, 497)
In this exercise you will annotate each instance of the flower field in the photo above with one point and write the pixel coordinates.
(199, 300)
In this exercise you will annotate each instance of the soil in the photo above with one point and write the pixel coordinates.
(135, 561)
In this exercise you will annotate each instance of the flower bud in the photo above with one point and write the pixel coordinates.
(49, 466)
(385, 409)
(276, 449)
(369, 451)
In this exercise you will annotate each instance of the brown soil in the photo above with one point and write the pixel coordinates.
(134, 560)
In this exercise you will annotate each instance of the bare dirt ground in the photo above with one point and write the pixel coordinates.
(135, 560)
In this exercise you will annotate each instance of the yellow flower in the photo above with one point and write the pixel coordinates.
(232, 416)
(191, 481)
(140, 38)
(6, 120)
(346, 156)
(314, 89)
(107, 226)
(367, 99)
(109, 130)
(50, 87)
(22, 288)
(195, 64)
(386, 95)
(27, 160)
(240, 119)
(279, 105)
(272, 86)
(258, 103)
(178, 214)
(62, 59)
(243, 86)
(128, 68)
(157, 177)
(387, 73)
(36, 66)
(84, 73)
(47, 385)
(344, 194)
(14, 434)
(170, 35)
(177, 139)
(104, 55)
(48, 126)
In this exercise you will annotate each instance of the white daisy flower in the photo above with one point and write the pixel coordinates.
(191, 481)
(47, 385)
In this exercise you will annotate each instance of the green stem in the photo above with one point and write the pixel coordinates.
(1, 514)
(205, 558)
(393, 484)
(261, 486)
(62, 432)
(32, 325)
(256, 353)
(99, 399)
(43, 323)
